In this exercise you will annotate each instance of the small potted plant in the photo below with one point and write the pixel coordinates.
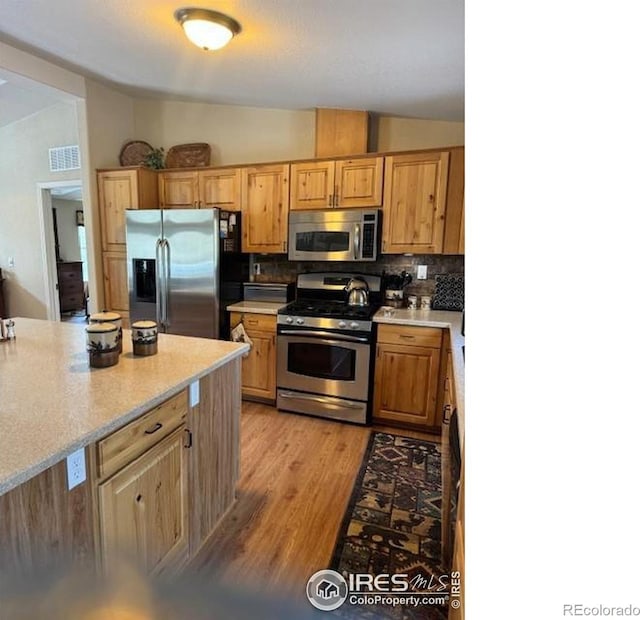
(155, 159)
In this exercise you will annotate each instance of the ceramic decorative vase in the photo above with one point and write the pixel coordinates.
(102, 344)
(144, 336)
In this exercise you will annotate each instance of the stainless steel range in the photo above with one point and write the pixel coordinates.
(325, 348)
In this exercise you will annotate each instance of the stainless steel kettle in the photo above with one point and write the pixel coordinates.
(357, 291)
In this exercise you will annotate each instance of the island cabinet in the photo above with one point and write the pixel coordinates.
(339, 183)
(200, 189)
(143, 497)
(265, 208)
(406, 376)
(259, 367)
(415, 200)
(156, 489)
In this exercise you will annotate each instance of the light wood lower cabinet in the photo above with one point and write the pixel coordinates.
(116, 290)
(143, 509)
(259, 367)
(406, 376)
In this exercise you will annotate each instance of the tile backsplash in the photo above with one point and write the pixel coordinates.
(276, 268)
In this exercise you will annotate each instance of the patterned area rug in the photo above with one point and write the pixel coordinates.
(392, 523)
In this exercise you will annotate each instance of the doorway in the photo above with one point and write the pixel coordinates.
(64, 250)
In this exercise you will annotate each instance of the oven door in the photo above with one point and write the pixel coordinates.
(319, 241)
(324, 363)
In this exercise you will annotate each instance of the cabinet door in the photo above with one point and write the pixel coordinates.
(117, 191)
(359, 182)
(406, 380)
(178, 190)
(143, 509)
(116, 291)
(454, 220)
(414, 203)
(312, 185)
(220, 188)
(258, 368)
(265, 208)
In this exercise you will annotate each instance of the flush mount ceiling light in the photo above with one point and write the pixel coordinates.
(207, 29)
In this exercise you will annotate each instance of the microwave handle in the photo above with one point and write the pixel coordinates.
(356, 242)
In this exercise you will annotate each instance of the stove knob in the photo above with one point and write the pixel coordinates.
(354, 325)
(342, 324)
(289, 320)
(299, 321)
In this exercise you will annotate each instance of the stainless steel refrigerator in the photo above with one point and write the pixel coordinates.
(175, 259)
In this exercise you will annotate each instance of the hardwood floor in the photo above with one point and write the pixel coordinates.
(296, 477)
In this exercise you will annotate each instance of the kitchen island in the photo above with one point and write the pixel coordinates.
(158, 437)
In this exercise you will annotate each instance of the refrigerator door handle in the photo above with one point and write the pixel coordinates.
(165, 297)
(159, 285)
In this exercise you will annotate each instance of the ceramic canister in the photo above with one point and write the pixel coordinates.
(412, 302)
(102, 344)
(425, 302)
(109, 317)
(144, 336)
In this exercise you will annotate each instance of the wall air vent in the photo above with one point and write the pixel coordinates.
(64, 158)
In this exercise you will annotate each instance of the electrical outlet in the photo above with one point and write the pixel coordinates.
(422, 272)
(194, 393)
(12, 261)
(256, 269)
(76, 469)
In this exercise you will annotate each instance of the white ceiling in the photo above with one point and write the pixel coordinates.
(395, 57)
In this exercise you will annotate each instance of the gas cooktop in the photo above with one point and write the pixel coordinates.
(328, 309)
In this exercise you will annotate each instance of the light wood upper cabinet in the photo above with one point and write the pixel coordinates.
(415, 194)
(265, 208)
(220, 188)
(178, 189)
(199, 189)
(143, 509)
(341, 183)
(406, 376)
(118, 190)
(454, 220)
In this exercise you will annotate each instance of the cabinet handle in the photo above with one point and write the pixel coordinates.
(331, 200)
(446, 410)
(189, 438)
(284, 246)
(407, 337)
(156, 427)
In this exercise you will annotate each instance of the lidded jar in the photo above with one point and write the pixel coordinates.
(102, 344)
(109, 317)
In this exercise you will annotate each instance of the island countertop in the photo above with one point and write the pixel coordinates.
(53, 403)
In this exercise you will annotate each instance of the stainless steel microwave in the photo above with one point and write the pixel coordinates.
(334, 235)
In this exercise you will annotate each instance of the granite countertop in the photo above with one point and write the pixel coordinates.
(445, 320)
(257, 307)
(53, 403)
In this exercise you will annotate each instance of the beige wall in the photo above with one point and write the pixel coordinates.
(106, 123)
(67, 228)
(243, 134)
(24, 162)
(236, 134)
(405, 134)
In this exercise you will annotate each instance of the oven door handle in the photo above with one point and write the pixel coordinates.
(316, 399)
(323, 335)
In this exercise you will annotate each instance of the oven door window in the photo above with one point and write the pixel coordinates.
(323, 241)
(323, 361)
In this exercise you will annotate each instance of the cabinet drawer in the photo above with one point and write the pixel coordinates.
(70, 275)
(254, 322)
(410, 335)
(71, 287)
(121, 447)
(71, 301)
